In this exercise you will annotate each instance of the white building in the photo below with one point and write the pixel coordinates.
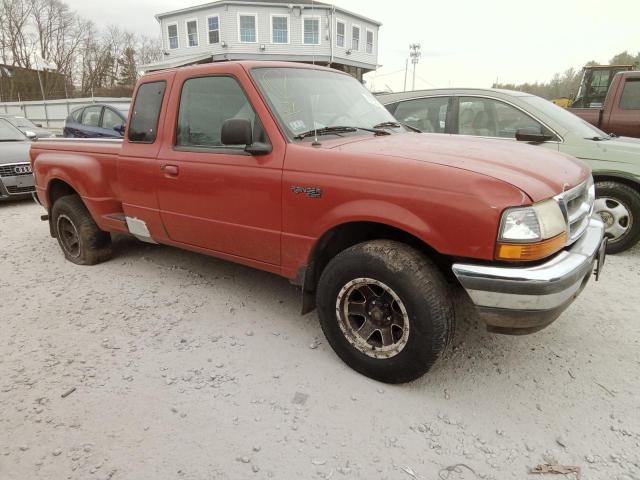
(299, 31)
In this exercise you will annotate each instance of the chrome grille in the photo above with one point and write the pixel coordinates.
(13, 190)
(15, 170)
(577, 206)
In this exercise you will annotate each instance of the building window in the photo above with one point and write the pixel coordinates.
(279, 29)
(172, 32)
(192, 33)
(311, 31)
(369, 41)
(340, 29)
(214, 29)
(355, 38)
(248, 28)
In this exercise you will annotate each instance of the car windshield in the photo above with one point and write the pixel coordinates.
(9, 133)
(568, 120)
(304, 99)
(20, 122)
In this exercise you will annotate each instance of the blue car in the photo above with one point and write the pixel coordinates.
(97, 121)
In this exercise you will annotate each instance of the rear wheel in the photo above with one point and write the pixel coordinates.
(80, 239)
(386, 310)
(619, 207)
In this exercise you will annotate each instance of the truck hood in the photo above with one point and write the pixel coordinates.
(14, 152)
(538, 172)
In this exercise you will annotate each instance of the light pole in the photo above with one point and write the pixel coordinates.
(414, 53)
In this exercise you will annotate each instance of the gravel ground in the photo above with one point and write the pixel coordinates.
(187, 367)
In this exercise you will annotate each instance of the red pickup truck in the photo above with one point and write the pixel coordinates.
(620, 112)
(298, 170)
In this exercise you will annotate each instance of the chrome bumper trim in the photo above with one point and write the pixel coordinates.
(504, 296)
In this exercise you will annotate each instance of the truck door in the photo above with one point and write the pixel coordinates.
(137, 171)
(623, 115)
(213, 196)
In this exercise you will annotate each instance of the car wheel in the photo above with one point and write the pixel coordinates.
(619, 207)
(386, 310)
(80, 239)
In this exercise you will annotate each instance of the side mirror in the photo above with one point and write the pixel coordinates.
(237, 131)
(119, 129)
(532, 135)
(30, 135)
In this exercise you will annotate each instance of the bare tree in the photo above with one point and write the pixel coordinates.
(149, 50)
(20, 42)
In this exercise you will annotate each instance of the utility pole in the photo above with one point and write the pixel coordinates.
(406, 67)
(414, 53)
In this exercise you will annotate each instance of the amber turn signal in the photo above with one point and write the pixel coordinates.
(530, 251)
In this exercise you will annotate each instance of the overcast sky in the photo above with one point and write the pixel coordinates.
(464, 42)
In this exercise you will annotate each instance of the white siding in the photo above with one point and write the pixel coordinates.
(228, 15)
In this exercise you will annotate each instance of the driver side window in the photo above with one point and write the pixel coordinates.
(205, 104)
(486, 117)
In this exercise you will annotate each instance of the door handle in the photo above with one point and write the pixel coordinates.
(171, 170)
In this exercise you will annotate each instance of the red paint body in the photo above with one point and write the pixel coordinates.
(611, 118)
(447, 191)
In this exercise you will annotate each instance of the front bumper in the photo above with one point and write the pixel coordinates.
(519, 300)
(15, 184)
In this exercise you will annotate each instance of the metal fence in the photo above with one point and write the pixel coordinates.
(51, 114)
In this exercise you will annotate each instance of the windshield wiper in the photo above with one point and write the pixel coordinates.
(336, 130)
(397, 125)
(598, 139)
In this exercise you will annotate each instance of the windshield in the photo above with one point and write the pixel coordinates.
(9, 133)
(20, 122)
(304, 99)
(565, 118)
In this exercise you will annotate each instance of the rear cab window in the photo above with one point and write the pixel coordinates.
(146, 112)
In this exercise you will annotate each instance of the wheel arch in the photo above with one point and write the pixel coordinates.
(616, 177)
(56, 189)
(345, 235)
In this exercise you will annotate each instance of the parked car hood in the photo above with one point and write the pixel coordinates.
(619, 149)
(14, 152)
(39, 131)
(538, 172)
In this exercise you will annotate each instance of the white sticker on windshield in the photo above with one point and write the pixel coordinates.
(297, 125)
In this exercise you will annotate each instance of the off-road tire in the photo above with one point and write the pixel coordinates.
(92, 245)
(630, 197)
(421, 288)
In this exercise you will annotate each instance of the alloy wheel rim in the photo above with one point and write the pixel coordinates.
(616, 216)
(69, 237)
(372, 318)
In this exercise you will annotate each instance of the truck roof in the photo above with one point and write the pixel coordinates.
(246, 64)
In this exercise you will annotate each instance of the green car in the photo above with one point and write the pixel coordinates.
(518, 116)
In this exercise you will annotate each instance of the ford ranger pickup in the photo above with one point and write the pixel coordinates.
(298, 170)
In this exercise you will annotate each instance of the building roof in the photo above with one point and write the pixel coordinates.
(277, 3)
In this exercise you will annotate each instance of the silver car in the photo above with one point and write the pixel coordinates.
(26, 126)
(516, 116)
(16, 179)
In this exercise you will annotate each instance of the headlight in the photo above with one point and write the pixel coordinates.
(531, 233)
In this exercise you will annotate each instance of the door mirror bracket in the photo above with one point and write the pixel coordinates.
(237, 131)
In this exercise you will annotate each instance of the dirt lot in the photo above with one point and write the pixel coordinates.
(187, 367)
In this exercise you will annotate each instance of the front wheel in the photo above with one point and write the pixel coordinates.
(386, 310)
(619, 207)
